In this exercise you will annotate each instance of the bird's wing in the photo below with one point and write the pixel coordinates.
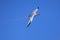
(30, 15)
(36, 10)
(31, 19)
(29, 24)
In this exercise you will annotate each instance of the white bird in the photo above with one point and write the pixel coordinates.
(34, 13)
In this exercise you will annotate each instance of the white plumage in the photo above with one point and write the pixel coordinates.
(34, 13)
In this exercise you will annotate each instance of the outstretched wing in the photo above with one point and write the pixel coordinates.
(29, 24)
(30, 20)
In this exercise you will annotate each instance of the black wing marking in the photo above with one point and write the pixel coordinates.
(29, 24)
(37, 7)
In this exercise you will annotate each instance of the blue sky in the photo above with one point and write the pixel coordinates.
(14, 18)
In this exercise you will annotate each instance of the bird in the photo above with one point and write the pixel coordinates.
(32, 15)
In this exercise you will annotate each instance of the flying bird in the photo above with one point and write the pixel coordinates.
(32, 15)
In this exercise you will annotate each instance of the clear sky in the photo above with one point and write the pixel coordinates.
(14, 18)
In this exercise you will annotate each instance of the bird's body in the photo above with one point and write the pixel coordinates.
(34, 13)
